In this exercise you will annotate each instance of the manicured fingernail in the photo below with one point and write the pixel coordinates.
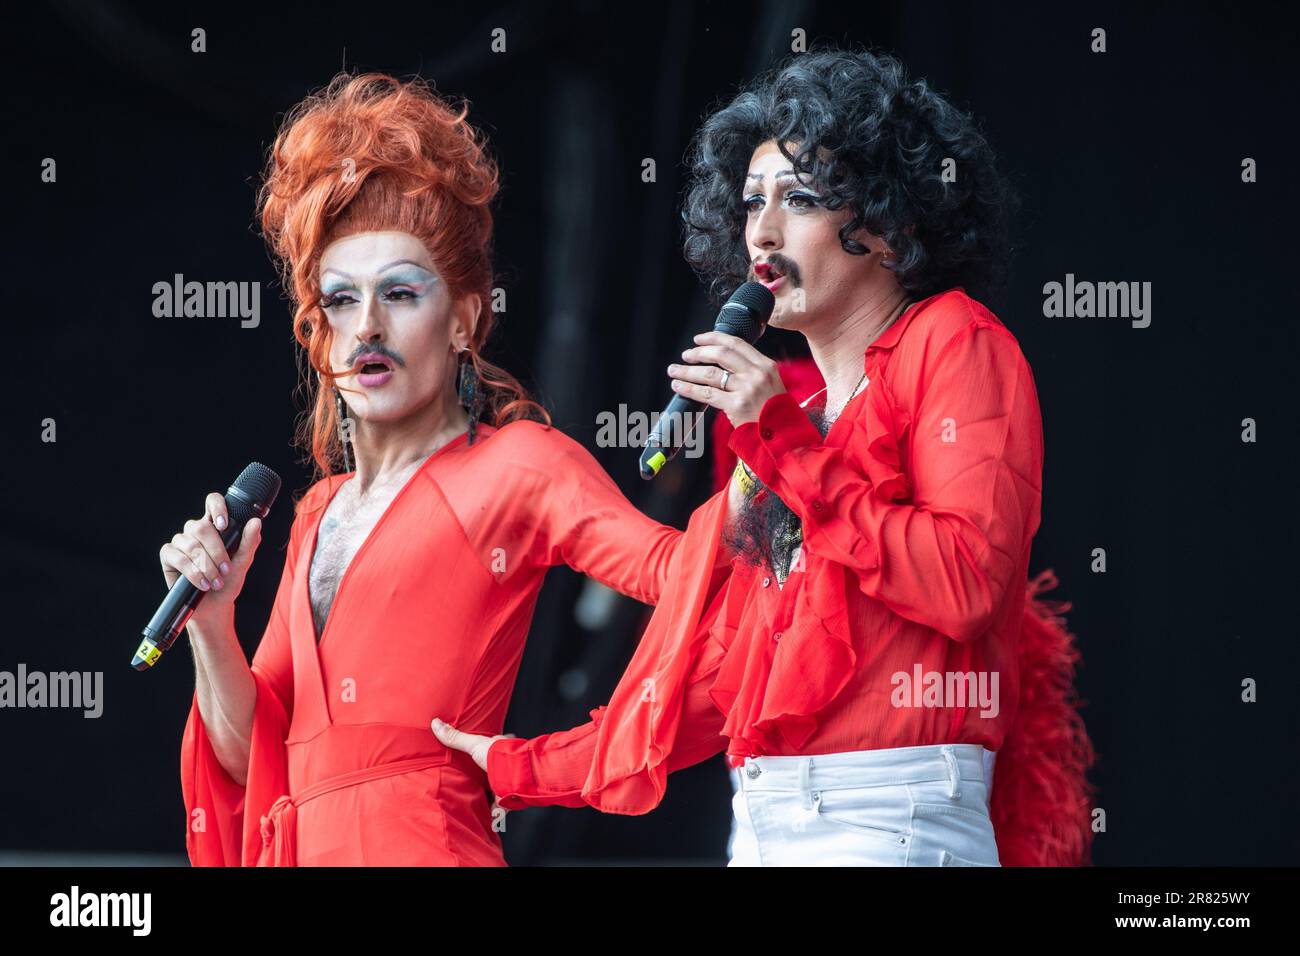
(204, 583)
(437, 722)
(217, 584)
(672, 368)
(225, 567)
(221, 522)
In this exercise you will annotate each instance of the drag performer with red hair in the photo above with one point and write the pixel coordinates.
(411, 574)
(874, 658)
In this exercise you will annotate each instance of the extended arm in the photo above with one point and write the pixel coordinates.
(551, 769)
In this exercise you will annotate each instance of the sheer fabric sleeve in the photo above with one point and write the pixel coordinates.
(591, 526)
(224, 818)
(552, 769)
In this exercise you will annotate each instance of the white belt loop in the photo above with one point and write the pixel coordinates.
(954, 778)
(805, 783)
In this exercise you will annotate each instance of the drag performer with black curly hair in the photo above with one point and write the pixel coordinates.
(874, 647)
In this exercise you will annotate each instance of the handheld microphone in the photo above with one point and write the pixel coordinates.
(251, 495)
(744, 315)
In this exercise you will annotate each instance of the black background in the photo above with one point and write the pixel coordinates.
(1129, 163)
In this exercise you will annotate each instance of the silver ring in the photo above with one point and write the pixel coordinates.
(725, 375)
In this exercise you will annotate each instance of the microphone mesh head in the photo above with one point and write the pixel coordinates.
(756, 297)
(746, 312)
(260, 483)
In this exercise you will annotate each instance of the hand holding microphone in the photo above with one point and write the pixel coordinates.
(198, 554)
(738, 382)
(739, 324)
(217, 547)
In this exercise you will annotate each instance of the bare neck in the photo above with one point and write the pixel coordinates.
(838, 348)
(387, 451)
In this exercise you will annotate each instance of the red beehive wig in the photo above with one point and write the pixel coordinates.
(372, 153)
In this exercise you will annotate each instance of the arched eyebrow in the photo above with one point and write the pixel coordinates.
(779, 173)
(383, 268)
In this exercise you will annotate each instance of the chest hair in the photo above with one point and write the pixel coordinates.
(343, 529)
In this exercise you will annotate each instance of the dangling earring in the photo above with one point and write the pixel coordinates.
(470, 388)
(340, 414)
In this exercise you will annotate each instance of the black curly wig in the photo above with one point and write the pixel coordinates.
(885, 139)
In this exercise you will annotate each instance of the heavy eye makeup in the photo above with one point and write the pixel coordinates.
(410, 284)
(796, 198)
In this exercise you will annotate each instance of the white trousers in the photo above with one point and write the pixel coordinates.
(904, 806)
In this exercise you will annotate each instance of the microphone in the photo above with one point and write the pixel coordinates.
(744, 315)
(251, 495)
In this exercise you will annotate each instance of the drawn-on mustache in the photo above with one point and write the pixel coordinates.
(375, 350)
(782, 264)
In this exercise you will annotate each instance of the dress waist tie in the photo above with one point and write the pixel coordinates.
(280, 823)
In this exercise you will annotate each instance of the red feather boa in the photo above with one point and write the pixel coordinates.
(1042, 801)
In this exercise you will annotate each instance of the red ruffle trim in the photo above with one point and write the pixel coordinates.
(771, 697)
(771, 691)
(633, 740)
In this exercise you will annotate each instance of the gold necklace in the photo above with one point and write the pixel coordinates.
(907, 303)
(849, 399)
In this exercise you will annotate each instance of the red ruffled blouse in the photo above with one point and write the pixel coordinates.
(918, 510)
